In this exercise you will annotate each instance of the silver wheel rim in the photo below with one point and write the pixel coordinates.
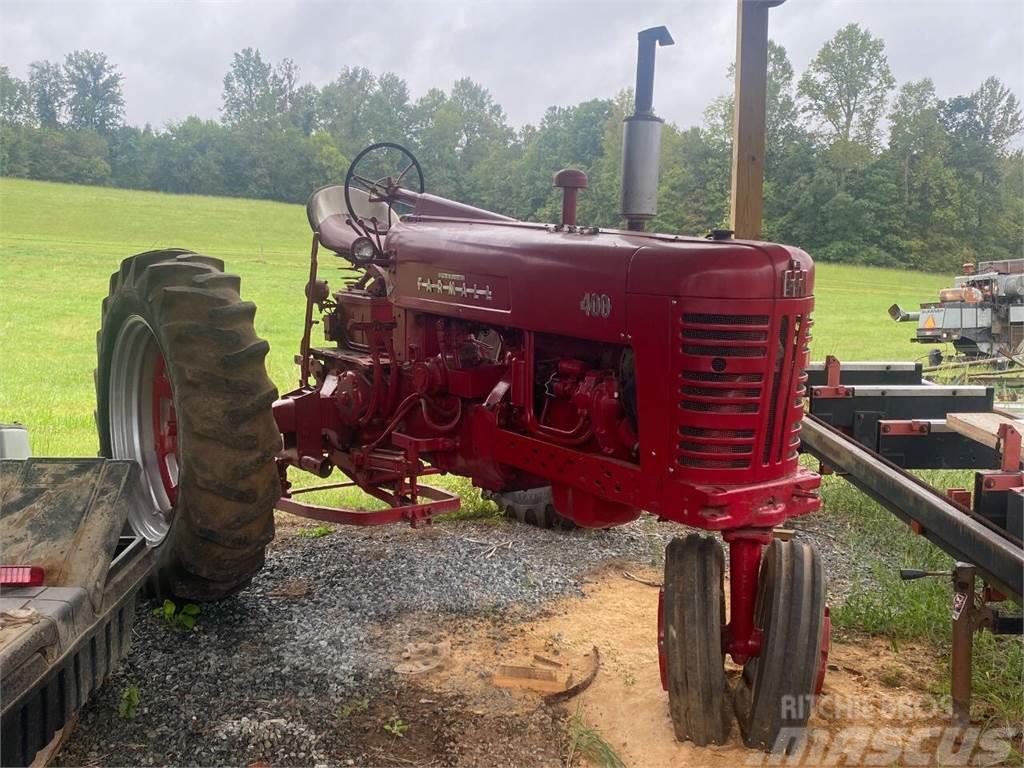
(132, 433)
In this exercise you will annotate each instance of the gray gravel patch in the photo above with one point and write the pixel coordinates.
(263, 676)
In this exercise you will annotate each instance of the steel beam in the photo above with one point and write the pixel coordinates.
(950, 527)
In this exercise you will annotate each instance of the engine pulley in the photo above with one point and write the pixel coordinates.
(352, 397)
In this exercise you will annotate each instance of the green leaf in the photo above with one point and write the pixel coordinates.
(190, 609)
(186, 620)
(169, 609)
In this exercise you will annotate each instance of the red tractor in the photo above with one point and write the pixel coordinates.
(596, 373)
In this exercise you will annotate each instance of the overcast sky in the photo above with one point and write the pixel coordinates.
(529, 54)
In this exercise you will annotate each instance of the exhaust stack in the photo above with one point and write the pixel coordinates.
(641, 137)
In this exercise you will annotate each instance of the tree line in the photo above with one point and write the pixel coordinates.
(856, 169)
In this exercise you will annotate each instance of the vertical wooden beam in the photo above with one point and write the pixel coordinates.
(748, 127)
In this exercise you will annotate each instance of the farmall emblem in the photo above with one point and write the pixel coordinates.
(794, 280)
(456, 286)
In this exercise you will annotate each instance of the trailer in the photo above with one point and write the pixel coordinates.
(68, 590)
(874, 422)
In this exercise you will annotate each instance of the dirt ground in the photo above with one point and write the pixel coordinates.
(868, 684)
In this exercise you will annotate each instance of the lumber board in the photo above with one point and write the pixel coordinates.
(748, 138)
(981, 427)
(533, 678)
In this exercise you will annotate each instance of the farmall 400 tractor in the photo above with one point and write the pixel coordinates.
(604, 372)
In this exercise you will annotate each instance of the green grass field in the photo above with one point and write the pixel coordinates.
(59, 243)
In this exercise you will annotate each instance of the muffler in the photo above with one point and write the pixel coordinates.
(641, 137)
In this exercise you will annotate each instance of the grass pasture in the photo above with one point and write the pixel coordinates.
(59, 243)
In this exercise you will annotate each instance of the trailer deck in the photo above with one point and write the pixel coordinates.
(60, 639)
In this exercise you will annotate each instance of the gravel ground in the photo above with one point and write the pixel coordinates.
(264, 674)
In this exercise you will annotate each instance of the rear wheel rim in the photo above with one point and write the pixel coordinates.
(143, 426)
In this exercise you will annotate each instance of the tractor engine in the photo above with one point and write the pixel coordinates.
(628, 371)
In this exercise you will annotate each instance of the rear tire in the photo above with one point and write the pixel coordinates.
(693, 615)
(533, 507)
(181, 387)
(777, 688)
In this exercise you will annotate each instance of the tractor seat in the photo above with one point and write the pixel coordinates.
(327, 215)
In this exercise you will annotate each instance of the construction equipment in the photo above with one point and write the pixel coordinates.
(620, 369)
(982, 315)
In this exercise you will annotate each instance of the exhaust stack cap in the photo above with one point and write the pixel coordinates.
(641, 137)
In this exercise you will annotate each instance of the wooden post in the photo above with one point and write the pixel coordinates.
(748, 124)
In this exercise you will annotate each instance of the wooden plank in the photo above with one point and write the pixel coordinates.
(981, 427)
(533, 678)
(749, 116)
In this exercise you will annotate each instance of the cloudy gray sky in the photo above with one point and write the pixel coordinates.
(529, 54)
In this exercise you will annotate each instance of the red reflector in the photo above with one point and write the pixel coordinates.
(21, 576)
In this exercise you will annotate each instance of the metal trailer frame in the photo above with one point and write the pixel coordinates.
(74, 597)
(872, 422)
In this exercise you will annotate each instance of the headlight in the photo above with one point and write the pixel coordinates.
(363, 249)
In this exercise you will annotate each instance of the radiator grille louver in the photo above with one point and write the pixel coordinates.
(740, 387)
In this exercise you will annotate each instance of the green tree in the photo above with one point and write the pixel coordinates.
(47, 87)
(846, 85)
(915, 132)
(250, 95)
(979, 128)
(567, 137)
(14, 99)
(780, 109)
(388, 111)
(94, 91)
(344, 106)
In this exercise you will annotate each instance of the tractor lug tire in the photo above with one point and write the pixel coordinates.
(693, 613)
(533, 507)
(221, 512)
(775, 694)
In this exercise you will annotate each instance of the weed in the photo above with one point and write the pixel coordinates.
(356, 705)
(628, 678)
(473, 505)
(396, 726)
(891, 677)
(315, 533)
(649, 526)
(183, 619)
(129, 703)
(919, 610)
(588, 744)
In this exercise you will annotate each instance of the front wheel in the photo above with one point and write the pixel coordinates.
(534, 506)
(775, 695)
(690, 626)
(181, 388)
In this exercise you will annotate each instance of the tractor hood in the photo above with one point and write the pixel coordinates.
(573, 281)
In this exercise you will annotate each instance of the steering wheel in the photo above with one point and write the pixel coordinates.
(383, 189)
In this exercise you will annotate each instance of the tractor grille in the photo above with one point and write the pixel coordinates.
(740, 386)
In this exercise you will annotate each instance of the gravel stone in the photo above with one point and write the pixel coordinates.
(262, 677)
